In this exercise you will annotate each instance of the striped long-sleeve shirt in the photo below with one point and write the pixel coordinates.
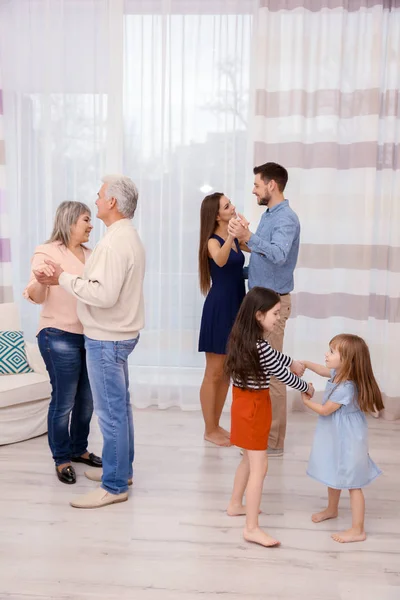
(274, 363)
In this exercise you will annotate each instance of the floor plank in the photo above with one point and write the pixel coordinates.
(173, 540)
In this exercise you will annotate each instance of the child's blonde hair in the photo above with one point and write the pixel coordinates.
(357, 367)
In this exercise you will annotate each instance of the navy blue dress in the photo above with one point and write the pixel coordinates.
(223, 301)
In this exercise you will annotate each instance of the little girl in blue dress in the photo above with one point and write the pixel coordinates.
(339, 457)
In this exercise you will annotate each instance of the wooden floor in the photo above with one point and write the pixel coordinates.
(173, 541)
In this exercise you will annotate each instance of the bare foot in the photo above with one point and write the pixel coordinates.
(351, 535)
(236, 510)
(324, 515)
(258, 536)
(224, 432)
(217, 438)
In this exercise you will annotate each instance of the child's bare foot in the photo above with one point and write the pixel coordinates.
(324, 515)
(236, 510)
(224, 432)
(258, 536)
(217, 438)
(351, 535)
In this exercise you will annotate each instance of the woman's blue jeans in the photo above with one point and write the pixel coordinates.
(71, 405)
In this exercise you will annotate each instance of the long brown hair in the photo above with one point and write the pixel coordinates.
(208, 222)
(357, 367)
(242, 361)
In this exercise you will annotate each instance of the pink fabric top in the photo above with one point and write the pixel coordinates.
(59, 308)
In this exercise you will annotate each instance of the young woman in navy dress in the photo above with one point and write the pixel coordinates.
(221, 263)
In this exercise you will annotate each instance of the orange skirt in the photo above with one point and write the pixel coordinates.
(251, 418)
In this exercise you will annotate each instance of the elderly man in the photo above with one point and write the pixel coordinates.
(111, 310)
(274, 251)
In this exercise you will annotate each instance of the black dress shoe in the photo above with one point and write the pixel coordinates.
(92, 461)
(67, 474)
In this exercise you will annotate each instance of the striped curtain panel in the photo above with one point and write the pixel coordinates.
(6, 294)
(326, 80)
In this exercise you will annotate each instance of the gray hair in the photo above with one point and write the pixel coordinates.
(125, 193)
(67, 215)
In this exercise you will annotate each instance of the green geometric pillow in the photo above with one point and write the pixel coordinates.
(12, 353)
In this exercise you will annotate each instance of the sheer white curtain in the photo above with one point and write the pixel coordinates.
(157, 90)
(5, 255)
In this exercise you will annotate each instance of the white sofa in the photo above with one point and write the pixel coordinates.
(24, 399)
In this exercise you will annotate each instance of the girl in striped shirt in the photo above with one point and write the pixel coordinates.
(250, 363)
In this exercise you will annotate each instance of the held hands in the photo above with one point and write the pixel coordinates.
(239, 228)
(298, 367)
(242, 220)
(44, 269)
(48, 273)
(309, 393)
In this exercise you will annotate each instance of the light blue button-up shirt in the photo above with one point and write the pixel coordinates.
(274, 249)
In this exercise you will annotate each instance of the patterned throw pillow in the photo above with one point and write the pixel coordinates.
(12, 353)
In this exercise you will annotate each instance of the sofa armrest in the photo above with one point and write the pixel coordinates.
(35, 359)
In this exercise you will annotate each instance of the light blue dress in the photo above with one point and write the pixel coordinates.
(339, 456)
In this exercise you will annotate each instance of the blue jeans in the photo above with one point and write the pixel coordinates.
(71, 398)
(107, 364)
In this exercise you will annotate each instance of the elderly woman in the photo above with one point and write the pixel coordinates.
(61, 341)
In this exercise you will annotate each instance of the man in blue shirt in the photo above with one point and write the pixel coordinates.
(274, 251)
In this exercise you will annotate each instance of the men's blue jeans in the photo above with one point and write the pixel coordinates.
(107, 364)
(71, 398)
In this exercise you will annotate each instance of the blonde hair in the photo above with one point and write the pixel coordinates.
(357, 367)
(67, 214)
